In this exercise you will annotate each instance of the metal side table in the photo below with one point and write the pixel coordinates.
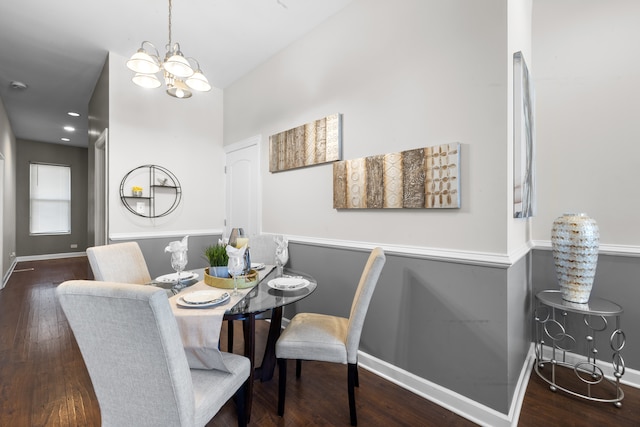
(554, 341)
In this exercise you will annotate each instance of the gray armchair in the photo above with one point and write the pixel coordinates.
(119, 262)
(321, 337)
(131, 345)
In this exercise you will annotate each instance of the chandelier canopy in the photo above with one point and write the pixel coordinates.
(181, 75)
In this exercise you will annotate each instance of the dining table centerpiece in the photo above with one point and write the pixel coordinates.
(218, 260)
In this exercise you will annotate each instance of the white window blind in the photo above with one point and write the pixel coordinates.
(50, 198)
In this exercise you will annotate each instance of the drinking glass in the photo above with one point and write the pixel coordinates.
(236, 267)
(178, 263)
(282, 256)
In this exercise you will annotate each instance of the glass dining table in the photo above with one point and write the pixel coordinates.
(262, 302)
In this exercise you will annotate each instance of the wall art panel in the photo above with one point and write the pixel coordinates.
(523, 140)
(310, 144)
(422, 178)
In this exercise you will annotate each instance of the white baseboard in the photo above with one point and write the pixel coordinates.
(468, 408)
(448, 399)
(7, 275)
(50, 256)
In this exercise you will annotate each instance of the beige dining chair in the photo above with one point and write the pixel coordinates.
(131, 345)
(321, 337)
(119, 262)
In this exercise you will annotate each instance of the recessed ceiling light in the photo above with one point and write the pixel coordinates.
(73, 114)
(65, 139)
(69, 128)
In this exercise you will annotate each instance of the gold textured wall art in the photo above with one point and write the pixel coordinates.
(426, 177)
(311, 144)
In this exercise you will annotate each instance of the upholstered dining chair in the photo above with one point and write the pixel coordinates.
(321, 337)
(119, 262)
(131, 345)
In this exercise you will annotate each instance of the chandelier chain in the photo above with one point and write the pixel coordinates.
(170, 7)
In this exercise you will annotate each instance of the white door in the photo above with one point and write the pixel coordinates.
(100, 189)
(243, 186)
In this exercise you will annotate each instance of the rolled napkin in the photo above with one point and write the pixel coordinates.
(239, 252)
(281, 242)
(178, 245)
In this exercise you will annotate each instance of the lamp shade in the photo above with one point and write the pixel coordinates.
(178, 65)
(198, 82)
(178, 89)
(149, 81)
(142, 62)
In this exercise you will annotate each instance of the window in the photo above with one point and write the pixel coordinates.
(50, 199)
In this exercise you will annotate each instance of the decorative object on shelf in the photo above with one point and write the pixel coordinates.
(575, 240)
(422, 178)
(310, 144)
(181, 75)
(218, 260)
(523, 140)
(162, 199)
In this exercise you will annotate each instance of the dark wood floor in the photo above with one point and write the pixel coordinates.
(44, 381)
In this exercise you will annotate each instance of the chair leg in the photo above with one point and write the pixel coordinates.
(241, 398)
(298, 368)
(352, 378)
(282, 385)
(230, 336)
(357, 383)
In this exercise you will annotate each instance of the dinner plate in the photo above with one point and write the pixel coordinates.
(173, 277)
(257, 265)
(288, 283)
(203, 299)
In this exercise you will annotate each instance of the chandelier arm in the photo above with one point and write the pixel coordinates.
(146, 42)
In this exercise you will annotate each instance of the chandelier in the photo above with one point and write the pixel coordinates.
(180, 74)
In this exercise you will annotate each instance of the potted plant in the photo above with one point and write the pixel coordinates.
(218, 260)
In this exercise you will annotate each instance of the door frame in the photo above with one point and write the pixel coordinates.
(101, 190)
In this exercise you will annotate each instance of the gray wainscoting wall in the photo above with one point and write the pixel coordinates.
(464, 327)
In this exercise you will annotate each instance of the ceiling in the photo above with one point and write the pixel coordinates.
(57, 48)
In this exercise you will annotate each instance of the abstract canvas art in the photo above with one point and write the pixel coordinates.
(310, 144)
(523, 140)
(422, 178)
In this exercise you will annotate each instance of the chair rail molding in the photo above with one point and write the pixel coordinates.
(605, 249)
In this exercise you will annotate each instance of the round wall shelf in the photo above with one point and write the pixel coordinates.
(161, 191)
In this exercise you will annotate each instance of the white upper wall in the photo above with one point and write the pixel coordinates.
(184, 136)
(587, 77)
(404, 74)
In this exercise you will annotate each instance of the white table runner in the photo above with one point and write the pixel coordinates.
(200, 327)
